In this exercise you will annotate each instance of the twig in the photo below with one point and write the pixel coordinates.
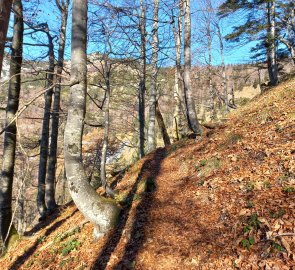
(21, 185)
(283, 234)
(20, 111)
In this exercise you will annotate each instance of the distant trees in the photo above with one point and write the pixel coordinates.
(5, 7)
(101, 212)
(286, 26)
(269, 23)
(6, 179)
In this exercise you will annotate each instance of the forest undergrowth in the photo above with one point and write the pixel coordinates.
(224, 201)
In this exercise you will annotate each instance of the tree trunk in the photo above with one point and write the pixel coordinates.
(7, 173)
(189, 99)
(178, 116)
(151, 143)
(142, 87)
(5, 7)
(103, 213)
(224, 76)
(232, 100)
(52, 158)
(211, 90)
(162, 126)
(271, 44)
(45, 130)
(104, 150)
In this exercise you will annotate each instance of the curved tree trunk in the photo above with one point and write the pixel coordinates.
(5, 7)
(151, 143)
(7, 173)
(45, 131)
(103, 213)
(188, 92)
(52, 158)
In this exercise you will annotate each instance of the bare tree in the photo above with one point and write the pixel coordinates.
(106, 74)
(5, 7)
(63, 6)
(45, 128)
(142, 79)
(193, 122)
(151, 143)
(103, 213)
(179, 121)
(8, 163)
(224, 75)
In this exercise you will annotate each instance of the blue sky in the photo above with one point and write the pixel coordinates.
(46, 11)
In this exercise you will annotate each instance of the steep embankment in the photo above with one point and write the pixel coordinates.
(225, 201)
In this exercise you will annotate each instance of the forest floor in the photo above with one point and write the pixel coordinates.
(224, 201)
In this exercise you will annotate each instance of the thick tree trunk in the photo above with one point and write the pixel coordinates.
(142, 87)
(52, 158)
(188, 92)
(5, 7)
(151, 142)
(103, 213)
(104, 150)
(271, 44)
(45, 130)
(8, 163)
(179, 119)
(162, 126)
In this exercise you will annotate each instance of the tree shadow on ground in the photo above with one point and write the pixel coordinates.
(28, 253)
(49, 219)
(117, 178)
(149, 172)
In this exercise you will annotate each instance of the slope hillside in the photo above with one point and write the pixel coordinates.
(226, 201)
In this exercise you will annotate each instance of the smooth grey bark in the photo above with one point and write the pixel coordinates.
(5, 7)
(142, 81)
(271, 44)
(44, 142)
(8, 163)
(162, 126)
(193, 122)
(151, 140)
(52, 158)
(102, 212)
(107, 73)
(209, 47)
(179, 121)
(224, 75)
(288, 42)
